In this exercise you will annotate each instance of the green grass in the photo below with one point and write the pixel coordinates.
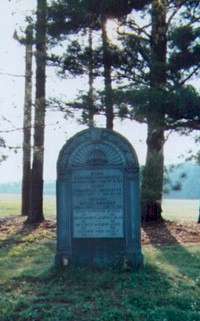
(10, 205)
(166, 289)
(174, 210)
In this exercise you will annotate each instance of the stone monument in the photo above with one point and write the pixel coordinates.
(98, 201)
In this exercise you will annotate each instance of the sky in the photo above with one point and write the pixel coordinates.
(58, 130)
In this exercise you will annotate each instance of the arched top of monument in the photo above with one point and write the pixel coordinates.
(96, 147)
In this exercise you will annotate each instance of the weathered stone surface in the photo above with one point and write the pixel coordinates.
(98, 201)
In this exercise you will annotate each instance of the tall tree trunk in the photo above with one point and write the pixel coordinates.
(91, 107)
(26, 171)
(36, 213)
(152, 186)
(107, 63)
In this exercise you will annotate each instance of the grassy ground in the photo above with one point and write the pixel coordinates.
(10, 204)
(167, 289)
(175, 210)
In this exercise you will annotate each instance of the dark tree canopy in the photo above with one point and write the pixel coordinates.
(71, 15)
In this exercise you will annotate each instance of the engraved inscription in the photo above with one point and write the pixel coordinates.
(97, 197)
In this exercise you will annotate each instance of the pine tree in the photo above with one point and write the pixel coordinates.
(26, 174)
(153, 173)
(107, 65)
(157, 92)
(152, 70)
(71, 17)
(36, 212)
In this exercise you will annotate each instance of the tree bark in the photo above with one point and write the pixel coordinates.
(91, 107)
(107, 63)
(26, 170)
(36, 213)
(152, 185)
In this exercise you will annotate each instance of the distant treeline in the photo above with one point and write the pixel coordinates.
(187, 178)
(15, 188)
(184, 183)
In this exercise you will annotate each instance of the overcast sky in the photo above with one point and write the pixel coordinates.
(57, 130)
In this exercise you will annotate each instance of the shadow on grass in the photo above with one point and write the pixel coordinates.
(174, 252)
(44, 293)
(102, 295)
(40, 292)
(18, 235)
(92, 295)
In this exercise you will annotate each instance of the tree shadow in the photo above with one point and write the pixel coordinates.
(87, 294)
(78, 288)
(178, 256)
(19, 233)
(94, 295)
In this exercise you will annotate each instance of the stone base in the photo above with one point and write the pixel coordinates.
(62, 260)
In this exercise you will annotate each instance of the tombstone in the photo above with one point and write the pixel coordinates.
(98, 201)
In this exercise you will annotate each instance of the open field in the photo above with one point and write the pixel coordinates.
(177, 210)
(181, 210)
(10, 204)
(166, 289)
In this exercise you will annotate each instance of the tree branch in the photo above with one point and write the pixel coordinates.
(177, 8)
(190, 75)
(190, 124)
(11, 75)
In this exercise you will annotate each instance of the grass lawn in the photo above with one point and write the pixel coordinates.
(10, 204)
(175, 210)
(167, 289)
